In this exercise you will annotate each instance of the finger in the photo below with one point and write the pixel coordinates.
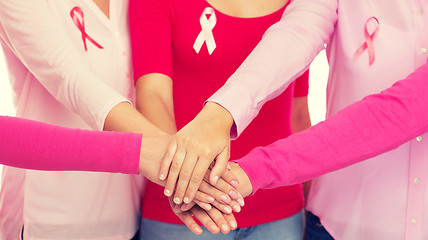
(167, 159)
(225, 187)
(186, 218)
(223, 207)
(205, 206)
(174, 170)
(230, 178)
(198, 174)
(203, 197)
(220, 165)
(230, 218)
(205, 219)
(217, 194)
(220, 220)
(187, 206)
(184, 177)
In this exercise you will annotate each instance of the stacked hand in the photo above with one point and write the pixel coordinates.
(194, 171)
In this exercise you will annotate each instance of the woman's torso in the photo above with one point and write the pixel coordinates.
(196, 76)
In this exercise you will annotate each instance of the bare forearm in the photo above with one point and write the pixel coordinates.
(154, 101)
(125, 118)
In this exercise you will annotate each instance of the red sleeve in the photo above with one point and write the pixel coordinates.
(39, 146)
(301, 86)
(150, 29)
(367, 128)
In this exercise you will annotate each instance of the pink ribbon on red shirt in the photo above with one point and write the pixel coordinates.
(77, 15)
(369, 40)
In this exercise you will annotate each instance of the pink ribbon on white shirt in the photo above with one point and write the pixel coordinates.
(77, 15)
(206, 34)
(369, 40)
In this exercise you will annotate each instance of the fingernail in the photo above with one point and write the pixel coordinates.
(228, 166)
(198, 230)
(207, 207)
(214, 228)
(186, 200)
(225, 199)
(233, 224)
(228, 209)
(177, 200)
(233, 194)
(234, 183)
(167, 193)
(241, 202)
(224, 227)
(210, 199)
(237, 208)
(162, 177)
(215, 179)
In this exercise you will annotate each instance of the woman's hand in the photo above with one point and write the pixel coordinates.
(227, 198)
(195, 147)
(213, 220)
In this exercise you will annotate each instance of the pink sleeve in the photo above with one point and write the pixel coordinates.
(150, 29)
(34, 145)
(374, 125)
(31, 30)
(301, 85)
(284, 53)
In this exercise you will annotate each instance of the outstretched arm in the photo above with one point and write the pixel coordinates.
(374, 125)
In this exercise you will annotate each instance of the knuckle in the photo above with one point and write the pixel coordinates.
(195, 179)
(184, 175)
(176, 166)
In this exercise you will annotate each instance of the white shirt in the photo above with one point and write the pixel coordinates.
(56, 81)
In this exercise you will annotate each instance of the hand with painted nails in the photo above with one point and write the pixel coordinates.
(194, 148)
(213, 220)
(224, 194)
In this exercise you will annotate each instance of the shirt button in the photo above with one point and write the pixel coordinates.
(419, 138)
(413, 220)
(416, 180)
(423, 50)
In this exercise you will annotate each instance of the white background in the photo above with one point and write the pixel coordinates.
(317, 83)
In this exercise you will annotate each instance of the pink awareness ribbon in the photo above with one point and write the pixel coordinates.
(77, 15)
(369, 40)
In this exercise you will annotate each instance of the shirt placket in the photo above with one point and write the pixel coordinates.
(416, 187)
(420, 13)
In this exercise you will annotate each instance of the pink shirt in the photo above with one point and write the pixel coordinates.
(56, 81)
(385, 197)
(35, 145)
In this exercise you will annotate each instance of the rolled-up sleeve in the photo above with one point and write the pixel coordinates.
(285, 52)
(31, 30)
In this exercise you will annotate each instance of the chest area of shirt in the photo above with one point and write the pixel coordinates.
(208, 35)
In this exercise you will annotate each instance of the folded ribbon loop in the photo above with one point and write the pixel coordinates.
(206, 34)
(373, 23)
(77, 15)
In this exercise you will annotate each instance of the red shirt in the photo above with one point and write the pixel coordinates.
(163, 33)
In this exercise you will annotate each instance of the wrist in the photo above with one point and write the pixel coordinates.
(219, 114)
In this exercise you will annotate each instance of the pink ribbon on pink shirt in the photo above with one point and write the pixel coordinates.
(369, 41)
(77, 15)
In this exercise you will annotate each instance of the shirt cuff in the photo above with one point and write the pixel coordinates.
(235, 100)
